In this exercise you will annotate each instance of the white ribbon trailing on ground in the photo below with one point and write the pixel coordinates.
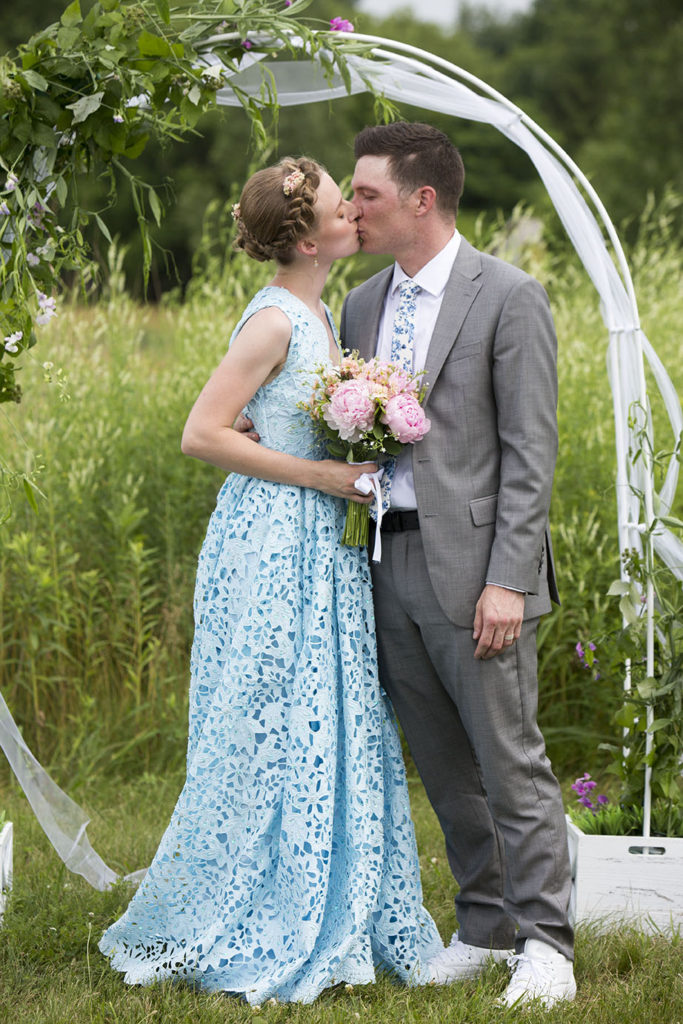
(63, 821)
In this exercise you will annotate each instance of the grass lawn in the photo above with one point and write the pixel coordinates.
(52, 973)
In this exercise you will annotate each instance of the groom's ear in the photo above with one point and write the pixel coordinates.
(425, 199)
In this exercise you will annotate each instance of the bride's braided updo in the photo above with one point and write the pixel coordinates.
(276, 209)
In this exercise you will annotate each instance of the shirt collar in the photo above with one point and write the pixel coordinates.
(433, 277)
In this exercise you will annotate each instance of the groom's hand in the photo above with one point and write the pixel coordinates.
(244, 426)
(497, 620)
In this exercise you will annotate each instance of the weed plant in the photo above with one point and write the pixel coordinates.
(96, 588)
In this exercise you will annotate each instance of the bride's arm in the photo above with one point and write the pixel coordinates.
(255, 356)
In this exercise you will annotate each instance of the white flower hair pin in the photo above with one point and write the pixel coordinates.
(292, 181)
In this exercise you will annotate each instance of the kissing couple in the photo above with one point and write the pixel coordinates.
(290, 862)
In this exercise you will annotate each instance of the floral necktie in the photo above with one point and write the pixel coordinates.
(402, 354)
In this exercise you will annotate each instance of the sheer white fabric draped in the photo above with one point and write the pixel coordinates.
(403, 79)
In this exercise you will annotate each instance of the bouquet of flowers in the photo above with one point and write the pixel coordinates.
(365, 410)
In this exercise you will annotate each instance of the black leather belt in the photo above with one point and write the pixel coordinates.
(398, 520)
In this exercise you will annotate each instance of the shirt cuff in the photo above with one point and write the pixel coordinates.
(504, 586)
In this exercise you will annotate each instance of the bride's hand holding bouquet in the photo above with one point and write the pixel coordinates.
(365, 410)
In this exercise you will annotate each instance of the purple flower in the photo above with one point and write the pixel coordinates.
(341, 25)
(579, 650)
(36, 215)
(118, 118)
(582, 787)
(247, 44)
(288, 3)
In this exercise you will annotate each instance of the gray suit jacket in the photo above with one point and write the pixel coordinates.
(483, 474)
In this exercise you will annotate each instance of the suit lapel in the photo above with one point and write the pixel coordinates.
(366, 327)
(459, 294)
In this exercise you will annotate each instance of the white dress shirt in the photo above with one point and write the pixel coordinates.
(432, 279)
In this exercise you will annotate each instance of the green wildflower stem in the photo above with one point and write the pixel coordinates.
(357, 525)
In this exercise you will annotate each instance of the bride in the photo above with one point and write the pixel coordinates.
(289, 864)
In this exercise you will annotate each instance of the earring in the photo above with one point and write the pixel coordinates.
(315, 261)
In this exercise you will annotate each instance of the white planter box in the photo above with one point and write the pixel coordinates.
(5, 864)
(626, 879)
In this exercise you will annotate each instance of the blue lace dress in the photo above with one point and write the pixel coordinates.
(289, 864)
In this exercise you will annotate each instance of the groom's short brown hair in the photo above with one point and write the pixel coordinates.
(418, 154)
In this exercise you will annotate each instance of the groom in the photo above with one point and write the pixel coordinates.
(466, 569)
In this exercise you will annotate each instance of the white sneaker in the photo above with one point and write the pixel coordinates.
(540, 972)
(459, 961)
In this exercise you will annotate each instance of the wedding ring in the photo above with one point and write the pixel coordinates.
(511, 637)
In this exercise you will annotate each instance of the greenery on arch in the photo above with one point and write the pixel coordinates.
(87, 94)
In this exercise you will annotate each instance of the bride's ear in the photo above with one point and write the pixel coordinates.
(307, 247)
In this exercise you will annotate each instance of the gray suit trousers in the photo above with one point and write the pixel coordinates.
(471, 728)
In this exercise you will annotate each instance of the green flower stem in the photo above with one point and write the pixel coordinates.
(357, 525)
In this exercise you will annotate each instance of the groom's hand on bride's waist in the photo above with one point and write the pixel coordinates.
(243, 425)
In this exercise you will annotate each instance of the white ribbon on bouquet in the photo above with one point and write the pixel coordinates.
(369, 483)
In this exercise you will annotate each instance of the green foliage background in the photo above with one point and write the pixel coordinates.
(96, 591)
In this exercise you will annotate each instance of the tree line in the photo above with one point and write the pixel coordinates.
(603, 77)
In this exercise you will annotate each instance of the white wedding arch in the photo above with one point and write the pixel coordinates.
(408, 75)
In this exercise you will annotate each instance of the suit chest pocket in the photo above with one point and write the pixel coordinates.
(462, 350)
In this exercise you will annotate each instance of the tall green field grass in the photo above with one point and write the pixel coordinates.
(96, 588)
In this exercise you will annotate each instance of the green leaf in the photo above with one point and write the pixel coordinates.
(35, 80)
(30, 496)
(619, 588)
(136, 147)
(66, 38)
(86, 106)
(61, 191)
(628, 611)
(164, 12)
(103, 228)
(151, 45)
(659, 723)
(671, 521)
(72, 15)
(154, 205)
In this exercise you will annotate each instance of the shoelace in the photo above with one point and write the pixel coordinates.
(525, 969)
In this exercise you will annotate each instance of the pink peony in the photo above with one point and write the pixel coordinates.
(401, 382)
(351, 410)
(406, 419)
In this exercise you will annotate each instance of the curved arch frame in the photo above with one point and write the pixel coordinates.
(637, 525)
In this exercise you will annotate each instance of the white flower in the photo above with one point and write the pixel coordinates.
(32, 259)
(11, 341)
(118, 118)
(47, 307)
(11, 183)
